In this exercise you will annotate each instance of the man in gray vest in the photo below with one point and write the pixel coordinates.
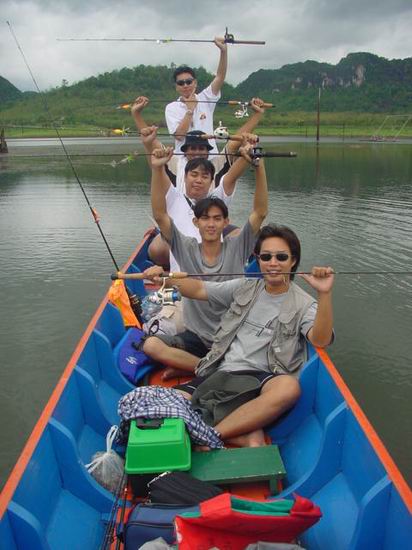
(264, 331)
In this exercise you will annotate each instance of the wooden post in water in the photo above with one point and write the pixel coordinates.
(3, 143)
(318, 120)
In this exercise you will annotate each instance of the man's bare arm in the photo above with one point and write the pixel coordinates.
(219, 79)
(236, 170)
(321, 280)
(159, 188)
(248, 127)
(260, 200)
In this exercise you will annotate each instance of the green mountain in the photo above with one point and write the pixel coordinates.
(93, 101)
(8, 92)
(359, 82)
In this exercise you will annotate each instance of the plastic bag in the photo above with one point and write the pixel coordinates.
(169, 320)
(107, 467)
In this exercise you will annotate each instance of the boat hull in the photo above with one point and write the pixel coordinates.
(331, 453)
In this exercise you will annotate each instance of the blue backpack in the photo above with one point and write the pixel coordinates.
(132, 362)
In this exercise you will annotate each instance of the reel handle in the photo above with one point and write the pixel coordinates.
(230, 39)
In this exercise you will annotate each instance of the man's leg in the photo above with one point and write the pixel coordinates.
(170, 356)
(276, 397)
(159, 252)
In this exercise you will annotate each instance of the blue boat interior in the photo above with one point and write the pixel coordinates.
(328, 458)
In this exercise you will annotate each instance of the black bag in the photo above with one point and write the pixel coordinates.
(149, 521)
(180, 488)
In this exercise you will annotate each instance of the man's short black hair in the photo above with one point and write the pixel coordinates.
(183, 69)
(204, 164)
(285, 233)
(204, 205)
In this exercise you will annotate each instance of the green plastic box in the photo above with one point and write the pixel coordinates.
(157, 445)
(243, 465)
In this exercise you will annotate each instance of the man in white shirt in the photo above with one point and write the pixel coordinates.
(188, 112)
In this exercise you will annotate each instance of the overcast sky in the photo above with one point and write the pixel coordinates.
(294, 30)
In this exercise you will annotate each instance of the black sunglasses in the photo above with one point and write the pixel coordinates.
(267, 256)
(187, 81)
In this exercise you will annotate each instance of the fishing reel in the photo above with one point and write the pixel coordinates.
(165, 296)
(229, 38)
(242, 112)
(256, 154)
(221, 132)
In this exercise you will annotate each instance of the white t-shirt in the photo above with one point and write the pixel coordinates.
(177, 164)
(181, 212)
(202, 116)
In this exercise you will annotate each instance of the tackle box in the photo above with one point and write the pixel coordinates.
(157, 445)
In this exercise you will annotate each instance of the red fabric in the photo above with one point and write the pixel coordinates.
(223, 527)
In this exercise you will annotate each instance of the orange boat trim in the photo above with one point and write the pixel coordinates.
(388, 462)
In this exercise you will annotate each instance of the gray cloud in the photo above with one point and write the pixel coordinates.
(323, 30)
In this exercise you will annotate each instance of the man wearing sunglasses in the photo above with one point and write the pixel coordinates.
(189, 112)
(263, 333)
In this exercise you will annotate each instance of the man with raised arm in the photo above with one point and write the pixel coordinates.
(193, 147)
(211, 256)
(263, 334)
(188, 112)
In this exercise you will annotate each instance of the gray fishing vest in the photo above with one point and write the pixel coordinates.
(286, 351)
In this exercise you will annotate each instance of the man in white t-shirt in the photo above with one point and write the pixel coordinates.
(193, 111)
(194, 144)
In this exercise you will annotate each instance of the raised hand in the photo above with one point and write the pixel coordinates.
(160, 157)
(321, 279)
(220, 43)
(257, 105)
(245, 150)
(249, 138)
(191, 101)
(148, 134)
(139, 104)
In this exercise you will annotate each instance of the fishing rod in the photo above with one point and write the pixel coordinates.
(233, 102)
(134, 299)
(255, 154)
(228, 39)
(184, 275)
(109, 534)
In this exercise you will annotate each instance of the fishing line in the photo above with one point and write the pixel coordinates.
(133, 298)
(46, 107)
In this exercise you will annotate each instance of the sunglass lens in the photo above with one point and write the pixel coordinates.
(265, 257)
(188, 81)
(282, 257)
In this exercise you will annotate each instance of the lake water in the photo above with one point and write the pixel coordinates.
(350, 203)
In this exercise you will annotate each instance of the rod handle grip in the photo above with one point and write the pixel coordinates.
(140, 276)
(235, 102)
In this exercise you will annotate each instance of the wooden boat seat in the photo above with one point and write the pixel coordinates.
(239, 465)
